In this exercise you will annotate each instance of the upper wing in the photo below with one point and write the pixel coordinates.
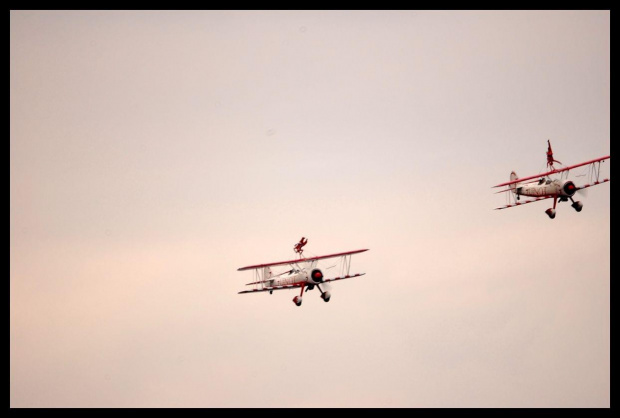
(527, 201)
(559, 170)
(300, 260)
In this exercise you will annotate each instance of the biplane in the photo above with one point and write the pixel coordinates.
(542, 186)
(303, 273)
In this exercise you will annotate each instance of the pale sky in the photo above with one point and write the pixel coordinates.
(153, 153)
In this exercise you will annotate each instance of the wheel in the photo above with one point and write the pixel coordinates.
(550, 212)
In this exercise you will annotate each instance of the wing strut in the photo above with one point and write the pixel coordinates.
(346, 265)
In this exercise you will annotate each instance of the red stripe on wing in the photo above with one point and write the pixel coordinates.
(526, 202)
(343, 277)
(596, 183)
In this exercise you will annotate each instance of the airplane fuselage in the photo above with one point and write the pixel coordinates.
(310, 275)
(291, 278)
(559, 188)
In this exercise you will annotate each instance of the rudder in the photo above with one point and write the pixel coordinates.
(513, 177)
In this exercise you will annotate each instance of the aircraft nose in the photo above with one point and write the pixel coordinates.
(569, 188)
(317, 276)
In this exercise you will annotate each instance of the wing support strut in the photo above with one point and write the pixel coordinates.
(346, 265)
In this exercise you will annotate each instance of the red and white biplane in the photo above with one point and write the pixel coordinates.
(542, 186)
(303, 273)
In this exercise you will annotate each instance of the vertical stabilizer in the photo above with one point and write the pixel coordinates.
(267, 273)
(513, 176)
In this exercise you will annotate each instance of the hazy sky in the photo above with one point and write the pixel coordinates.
(155, 152)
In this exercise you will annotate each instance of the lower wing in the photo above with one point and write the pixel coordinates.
(596, 183)
(343, 277)
(296, 285)
(525, 202)
(585, 186)
(272, 288)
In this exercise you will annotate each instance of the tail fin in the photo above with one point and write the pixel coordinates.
(513, 176)
(267, 273)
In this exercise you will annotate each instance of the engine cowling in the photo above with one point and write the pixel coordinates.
(316, 276)
(568, 188)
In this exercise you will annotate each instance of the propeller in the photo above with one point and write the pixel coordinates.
(327, 285)
(582, 192)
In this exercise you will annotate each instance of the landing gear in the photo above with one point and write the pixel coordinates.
(326, 296)
(576, 205)
(551, 211)
(298, 299)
